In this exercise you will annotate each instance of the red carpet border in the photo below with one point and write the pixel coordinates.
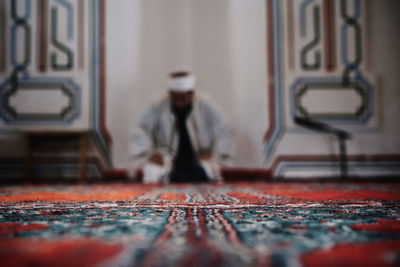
(242, 224)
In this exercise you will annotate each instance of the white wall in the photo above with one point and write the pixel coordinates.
(386, 60)
(222, 42)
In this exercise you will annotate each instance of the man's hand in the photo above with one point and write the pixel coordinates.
(205, 155)
(157, 158)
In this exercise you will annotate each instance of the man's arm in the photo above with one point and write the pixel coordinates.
(142, 145)
(140, 139)
(223, 134)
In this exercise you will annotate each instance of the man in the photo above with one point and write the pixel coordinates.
(183, 138)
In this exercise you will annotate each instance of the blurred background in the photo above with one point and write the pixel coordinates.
(76, 75)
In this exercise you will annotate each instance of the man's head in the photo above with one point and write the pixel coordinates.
(181, 89)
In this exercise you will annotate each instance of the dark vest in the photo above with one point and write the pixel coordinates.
(185, 168)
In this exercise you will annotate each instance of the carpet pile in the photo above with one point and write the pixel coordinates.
(241, 224)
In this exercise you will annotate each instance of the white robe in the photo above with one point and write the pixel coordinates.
(156, 132)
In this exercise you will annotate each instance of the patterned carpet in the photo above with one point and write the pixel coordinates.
(241, 224)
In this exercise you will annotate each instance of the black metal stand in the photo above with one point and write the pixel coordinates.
(340, 134)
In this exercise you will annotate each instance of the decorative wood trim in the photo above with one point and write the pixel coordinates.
(368, 51)
(71, 90)
(290, 35)
(42, 30)
(102, 70)
(19, 163)
(323, 158)
(81, 34)
(329, 35)
(246, 175)
(3, 44)
(271, 71)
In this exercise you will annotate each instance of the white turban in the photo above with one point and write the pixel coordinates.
(182, 84)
